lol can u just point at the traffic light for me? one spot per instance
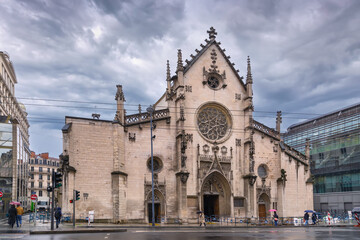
(58, 179)
(77, 194)
(71, 201)
(49, 189)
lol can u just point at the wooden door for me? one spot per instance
(262, 211)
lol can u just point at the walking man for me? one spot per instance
(306, 218)
(20, 212)
(58, 215)
(12, 216)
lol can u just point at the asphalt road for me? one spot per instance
(202, 234)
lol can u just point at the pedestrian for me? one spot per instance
(313, 218)
(202, 219)
(306, 218)
(276, 219)
(20, 212)
(58, 215)
(12, 215)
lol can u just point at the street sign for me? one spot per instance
(1, 194)
(33, 197)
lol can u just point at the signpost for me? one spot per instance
(33, 199)
(1, 194)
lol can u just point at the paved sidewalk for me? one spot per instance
(43, 227)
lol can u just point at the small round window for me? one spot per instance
(262, 171)
(157, 164)
(213, 82)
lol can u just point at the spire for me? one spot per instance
(248, 76)
(212, 33)
(168, 77)
(278, 121)
(120, 99)
(180, 66)
(119, 94)
(167, 71)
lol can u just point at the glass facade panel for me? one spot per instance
(335, 149)
(6, 166)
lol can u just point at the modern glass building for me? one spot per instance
(334, 155)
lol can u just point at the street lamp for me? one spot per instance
(150, 110)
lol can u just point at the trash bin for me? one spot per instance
(91, 217)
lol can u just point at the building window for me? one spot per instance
(321, 156)
(40, 193)
(32, 169)
(157, 164)
(44, 162)
(32, 161)
(48, 177)
(40, 169)
(48, 169)
(36, 161)
(32, 176)
(238, 202)
(40, 176)
(57, 164)
(40, 161)
(343, 151)
(32, 184)
(262, 171)
(40, 184)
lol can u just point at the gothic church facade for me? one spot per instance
(209, 153)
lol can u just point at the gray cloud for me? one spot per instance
(304, 54)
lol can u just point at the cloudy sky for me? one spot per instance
(69, 55)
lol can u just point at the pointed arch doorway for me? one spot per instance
(159, 206)
(263, 205)
(216, 195)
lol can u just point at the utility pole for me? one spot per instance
(74, 199)
(52, 199)
(151, 110)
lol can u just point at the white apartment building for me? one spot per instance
(14, 139)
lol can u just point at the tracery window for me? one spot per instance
(213, 122)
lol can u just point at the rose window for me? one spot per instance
(213, 82)
(213, 122)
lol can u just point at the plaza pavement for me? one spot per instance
(43, 227)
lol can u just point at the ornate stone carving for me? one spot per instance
(223, 150)
(206, 148)
(132, 137)
(188, 88)
(251, 178)
(237, 96)
(183, 160)
(182, 113)
(210, 158)
(238, 142)
(213, 123)
(145, 117)
(213, 186)
(212, 33)
(251, 153)
(184, 175)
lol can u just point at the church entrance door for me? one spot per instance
(211, 205)
(216, 196)
(157, 210)
(262, 211)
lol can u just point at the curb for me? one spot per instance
(97, 230)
